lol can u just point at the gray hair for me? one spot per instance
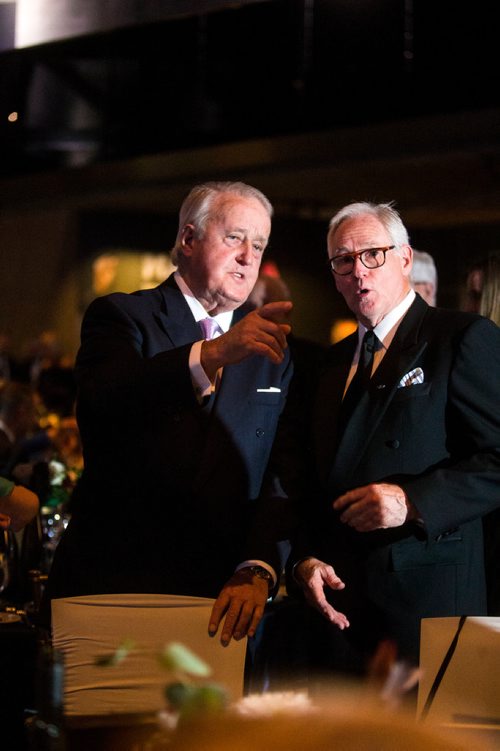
(197, 207)
(423, 269)
(384, 212)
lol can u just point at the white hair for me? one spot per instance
(424, 269)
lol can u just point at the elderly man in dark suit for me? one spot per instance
(177, 427)
(404, 449)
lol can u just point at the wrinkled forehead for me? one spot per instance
(231, 204)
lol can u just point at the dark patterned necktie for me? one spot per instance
(361, 378)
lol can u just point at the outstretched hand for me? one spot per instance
(313, 576)
(242, 600)
(260, 332)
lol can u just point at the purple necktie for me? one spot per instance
(210, 327)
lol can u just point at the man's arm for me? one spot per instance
(313, 576)
(113, 370)
(466, 486)
(18, 506)
(242, 601)
(258, 333)
(243, 598)
(376, 506)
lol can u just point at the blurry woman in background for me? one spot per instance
(487, 284)
(489, 304)
(482, 287)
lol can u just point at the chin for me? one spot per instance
(237, 298)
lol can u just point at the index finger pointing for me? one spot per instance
(275, 309)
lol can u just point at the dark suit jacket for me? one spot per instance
(168, 498)
(439, 441)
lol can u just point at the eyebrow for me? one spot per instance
(262, 238)
(346, 251)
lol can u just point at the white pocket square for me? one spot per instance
(270, 390)
(412, 378)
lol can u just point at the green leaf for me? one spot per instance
(202, 700)
(114, 658)
(211, 697)
(178, 694)
(177, 657)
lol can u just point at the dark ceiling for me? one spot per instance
(248, 70)
(315, 101)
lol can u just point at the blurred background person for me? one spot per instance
(423, 277)
(18, 505)
(488, 282)
(484, 281)
(7, 364)
(56, 390)
(17, 422)
(471, 294)
(42, 352)
(307, 355)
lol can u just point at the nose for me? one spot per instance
(246, 254)
(358, 269)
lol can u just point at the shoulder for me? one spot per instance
(448, 322)
(131, 303)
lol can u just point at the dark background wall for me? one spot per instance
(315, 102)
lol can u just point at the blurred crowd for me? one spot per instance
(39, 451)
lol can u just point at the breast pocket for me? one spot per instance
(267, 398)
(412, 392)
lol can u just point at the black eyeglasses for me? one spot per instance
(372, 258)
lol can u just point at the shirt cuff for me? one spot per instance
(269, 568)
(201, 383)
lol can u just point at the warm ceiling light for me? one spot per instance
(12, 118)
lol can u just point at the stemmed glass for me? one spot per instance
(6, 559)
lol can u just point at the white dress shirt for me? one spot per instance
(385, 332)
(201, 382)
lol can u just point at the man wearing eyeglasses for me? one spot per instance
(405, 454)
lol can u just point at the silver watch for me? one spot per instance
(262, 573)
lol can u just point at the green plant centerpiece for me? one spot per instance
(190, 694)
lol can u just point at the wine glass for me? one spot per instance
(6, 558)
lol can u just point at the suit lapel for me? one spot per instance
(405, 350)
(328, 400)
(175, 317)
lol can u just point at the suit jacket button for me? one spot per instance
(259, 432)
(394, 444)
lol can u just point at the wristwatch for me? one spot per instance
(261, 573)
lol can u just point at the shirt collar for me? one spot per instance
(389, 322)
(197, 309)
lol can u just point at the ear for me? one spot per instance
(187, 237)
(406, 255)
